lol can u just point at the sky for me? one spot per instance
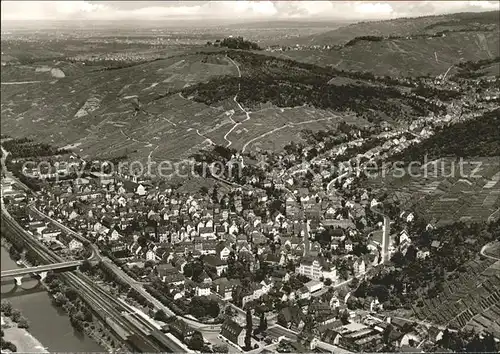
(233, 10)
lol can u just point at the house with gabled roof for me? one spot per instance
(233, 332)
(215, 265)
(181, 329)
(203, 289)
(348, 245)
(310, 268)
(113, 234)
(291, 317)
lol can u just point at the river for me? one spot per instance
(49, 324)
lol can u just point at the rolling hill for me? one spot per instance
(407, 57)
(470, 139)
(139, 111)
(404, 27)
(285, 83)
(182, 98)
(408, 47)
(113, 112)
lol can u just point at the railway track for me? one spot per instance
(102, 303)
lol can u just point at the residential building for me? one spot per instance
(215, 264)
(233, 332)
(181, 329)
(203, 289)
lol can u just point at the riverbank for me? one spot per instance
(24, 341)
(49, 325)
(22, 262)
(49, 322)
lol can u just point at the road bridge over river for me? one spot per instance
(40, 270)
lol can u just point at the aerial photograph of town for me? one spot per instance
(252, 177)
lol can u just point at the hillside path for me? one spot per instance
(235, 99)
(289, 125)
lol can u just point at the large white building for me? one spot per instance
(310, 268)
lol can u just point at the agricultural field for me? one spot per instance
(405, 57)
(144, 95)
(271, 128)
(140, 111)
(116, 106)
(470, 301)
(442, 196)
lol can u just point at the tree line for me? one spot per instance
(235, 43)
(25, 147)
(284, 90)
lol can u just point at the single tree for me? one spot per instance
(196, 342)
(248, 340)
(161, 316)
(16, 315)
(387, 333)
(344, 317)
(262, 322)
(23, 322)
(6, 308)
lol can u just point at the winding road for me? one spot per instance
(485, 248)
(492, 217)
